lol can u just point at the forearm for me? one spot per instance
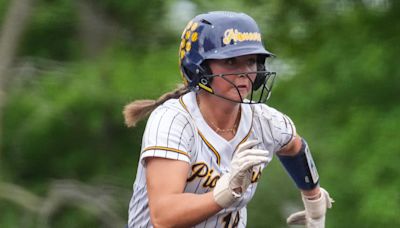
(170, 207)
(300, 165)
(182, 209)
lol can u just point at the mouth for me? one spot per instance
(242, 87)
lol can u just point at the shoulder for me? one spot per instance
(169, 117)
(169, 133)
(170, 108)
(280, 127)
(270, 113)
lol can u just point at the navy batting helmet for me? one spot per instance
(221, 35)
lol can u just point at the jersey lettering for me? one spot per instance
(226, 220)
(201, 170)
(256, 176)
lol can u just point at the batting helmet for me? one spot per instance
(220, 35)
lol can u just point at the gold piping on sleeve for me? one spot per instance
(167, 149)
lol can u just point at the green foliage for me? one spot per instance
(72, 117)
(52, 31)
(222, 5)
(13, 216)
(143, 19)
(70, 217)
(3, 7)
(340, 89)
(343, 99)
(68, 123)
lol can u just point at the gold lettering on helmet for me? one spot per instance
(236, 36)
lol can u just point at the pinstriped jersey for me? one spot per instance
(177, 130)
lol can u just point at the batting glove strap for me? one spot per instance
(224, 196)
(317, 208)
(231, 186)
(314, 214)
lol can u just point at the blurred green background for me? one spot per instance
(67, 68)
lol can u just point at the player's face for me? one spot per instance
(232, 83)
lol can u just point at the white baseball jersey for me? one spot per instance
(176, 130)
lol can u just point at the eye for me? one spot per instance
(251, 61)
(230, 61)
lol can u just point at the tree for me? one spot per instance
(15, 23)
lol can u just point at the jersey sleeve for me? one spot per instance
(277, 126)
(168, 134)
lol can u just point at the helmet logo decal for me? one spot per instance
(195, 36)
(189, 36)
(236, 36)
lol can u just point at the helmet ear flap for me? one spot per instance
(188, 76)
(199, 77)
(205, 78)
(260, 77)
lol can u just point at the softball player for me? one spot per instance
(206, 144)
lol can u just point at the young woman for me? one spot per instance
(206, 143)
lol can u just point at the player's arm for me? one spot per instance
(166, 179)
(169, 206)
(298, 162)
(294, 158)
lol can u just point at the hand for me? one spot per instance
(232, 185)
(314, 214)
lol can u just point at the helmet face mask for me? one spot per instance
(260, 91)
(223, 35)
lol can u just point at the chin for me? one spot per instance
(244, 95)
(237, 98)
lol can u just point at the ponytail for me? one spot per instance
(139, 109)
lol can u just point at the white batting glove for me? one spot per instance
(314, 214)
(230, 186)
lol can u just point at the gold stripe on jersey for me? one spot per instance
(248, 133)
(211, 148)
(244, 139)
(202, 136)
(167, 149)
(183, 104)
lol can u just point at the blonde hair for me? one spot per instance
(139, 109)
